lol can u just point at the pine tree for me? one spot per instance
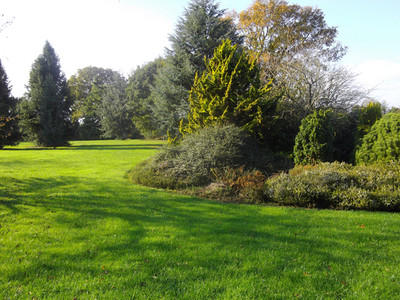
(46, 111)
(9, 132)
(201, 29)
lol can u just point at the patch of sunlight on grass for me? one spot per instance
(72, 226)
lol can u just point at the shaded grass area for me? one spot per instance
(71, 226)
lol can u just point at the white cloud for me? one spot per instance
(384, 77)
(102, 33)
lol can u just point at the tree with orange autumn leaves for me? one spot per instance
(278, 32)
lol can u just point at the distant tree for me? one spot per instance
(230, 92)
(382, 142)
(141, 102)
(87, 87)
(9, 131)
(46, 111)
(201, 29)
(114, 112)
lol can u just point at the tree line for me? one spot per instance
(265, 69)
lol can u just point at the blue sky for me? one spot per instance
(122, 34)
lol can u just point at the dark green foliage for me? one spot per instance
(141, 103)
(201, 29)
(338, 185)
(87, 88)
(114, 112)
(230, 92)
(193, 161)
(367, 116)
(382, 143)
(46, 112)
(9, 131)
(313, 143)
(326, 136)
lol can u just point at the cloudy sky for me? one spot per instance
(123, 34)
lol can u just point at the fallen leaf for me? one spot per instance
(306, 274)
(361, 226)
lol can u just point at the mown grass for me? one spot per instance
(72, 226)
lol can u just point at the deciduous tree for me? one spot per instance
(87, 87)
(278, 32)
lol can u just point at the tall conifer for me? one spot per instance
(46, 111)
(9, 132)
(200, 30)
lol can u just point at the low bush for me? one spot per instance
(191, 163)
(246, 185)
(337, 185)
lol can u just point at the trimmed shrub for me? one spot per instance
(191, 163)
(338, 185)
(313, 143)
(382, 143)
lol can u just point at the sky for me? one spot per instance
(124, 34)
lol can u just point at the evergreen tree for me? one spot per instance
(382, 142)
(201, 29)
(115, 115)
(46, 111)
(140, 84)
(314, 141)
(230, 91)
(9, 132)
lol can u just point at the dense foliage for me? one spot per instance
(199, 31)
(9, 131)
(115, 114)
(88, 87)
(46, 111)
(230, 92)
(338, 185)
(382, 142)
(194, 161)
(140, 99)
(314, 140)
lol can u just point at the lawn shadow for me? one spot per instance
(164, 229)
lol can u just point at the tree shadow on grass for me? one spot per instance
(133, 146)
(177, 242)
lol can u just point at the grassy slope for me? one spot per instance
(71, 226)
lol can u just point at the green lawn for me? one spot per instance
(72, 226)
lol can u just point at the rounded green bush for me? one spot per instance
(313, 143)
(382, 143)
